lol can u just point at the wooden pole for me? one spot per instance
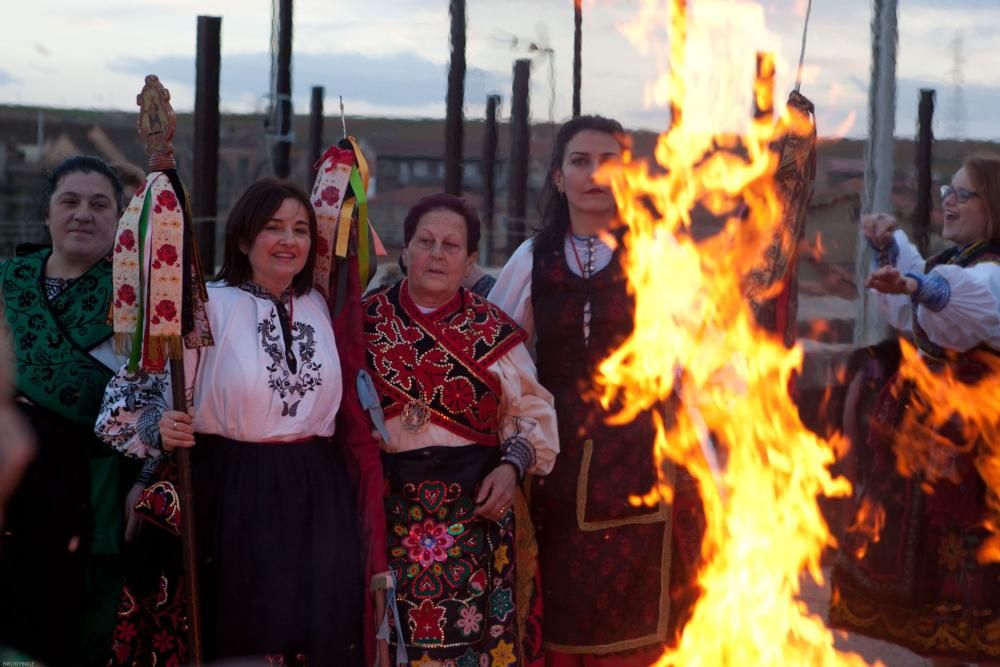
(517, 188)
(283, 91)
(925, 161)
(880, 165)
(455, 101)
(489, 174)
(205, 189)
(315, 132)
(577, 53)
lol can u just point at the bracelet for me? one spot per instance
(518, 452)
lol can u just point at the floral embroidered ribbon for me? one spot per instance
(343, 167)
(148, 274)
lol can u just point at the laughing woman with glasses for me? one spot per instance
(921, 585)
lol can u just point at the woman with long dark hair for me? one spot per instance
(610, 572)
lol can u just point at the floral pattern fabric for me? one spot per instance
(455, 573)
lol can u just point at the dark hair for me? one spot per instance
(984, 175)
(448, 203)
(248, 216)
(552, 204)
(84, 163)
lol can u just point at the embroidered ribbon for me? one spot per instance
(389, 584)
(150, 257)
(332, 180)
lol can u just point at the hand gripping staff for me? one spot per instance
(159, 300)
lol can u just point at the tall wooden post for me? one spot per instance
(577, 53)
(517, 188)
(925, 160)
(205, 189)
(488, 166)
(880, 164)
(455, 101)
(283, 92)
(315, 132)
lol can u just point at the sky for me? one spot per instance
(390, 57)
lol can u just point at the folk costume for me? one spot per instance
(458, 393)
(920, 584)
(60, 549)
(281, 570)
(612, 574)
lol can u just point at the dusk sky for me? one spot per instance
(390, 57)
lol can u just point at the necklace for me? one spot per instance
(589, 270)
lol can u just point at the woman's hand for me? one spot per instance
(878, 228)
(176, 430)
(889, 280)
(496, 493)
(131, 520)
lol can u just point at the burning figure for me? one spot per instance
(924, 582)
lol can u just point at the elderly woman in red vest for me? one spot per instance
(465, 421)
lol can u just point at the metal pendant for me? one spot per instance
(415, 416)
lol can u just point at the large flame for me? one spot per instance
(952, 411)
(696, 345)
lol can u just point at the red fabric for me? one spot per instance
(354, 436)
(640, 658)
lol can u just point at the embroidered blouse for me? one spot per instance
(958, 307)
(512, 291)
(246, 387)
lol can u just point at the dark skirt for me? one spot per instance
(280, 555)
(455, 571)
(60, 568)
(920, 585)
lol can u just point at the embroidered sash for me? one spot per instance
(435, 366)
(52, 339)
(971, 255)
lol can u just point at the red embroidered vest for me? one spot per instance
(433, 367)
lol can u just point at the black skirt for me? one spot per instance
(281, 568)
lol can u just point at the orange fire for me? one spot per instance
(738, 432)
(965, 405)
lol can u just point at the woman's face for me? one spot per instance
(587, 151)
(966, 222)
(83, 217)
(281, 247)
(437, 257)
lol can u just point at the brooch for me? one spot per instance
(415, 416)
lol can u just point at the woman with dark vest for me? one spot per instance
(920, 584)
(611, 573)
(60, 568)
(465, 420)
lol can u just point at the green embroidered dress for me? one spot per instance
(59, 569)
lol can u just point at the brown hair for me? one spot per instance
(248, 216)
(447, 202)
(984, 174)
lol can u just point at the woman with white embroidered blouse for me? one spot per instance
(281, 572)
(921, 585)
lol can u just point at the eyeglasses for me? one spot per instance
(962, 194)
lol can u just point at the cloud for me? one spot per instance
(6, 79)
(391, 80)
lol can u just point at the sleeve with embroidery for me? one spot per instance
(512, 291)
(527, 415)
(962, 309)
